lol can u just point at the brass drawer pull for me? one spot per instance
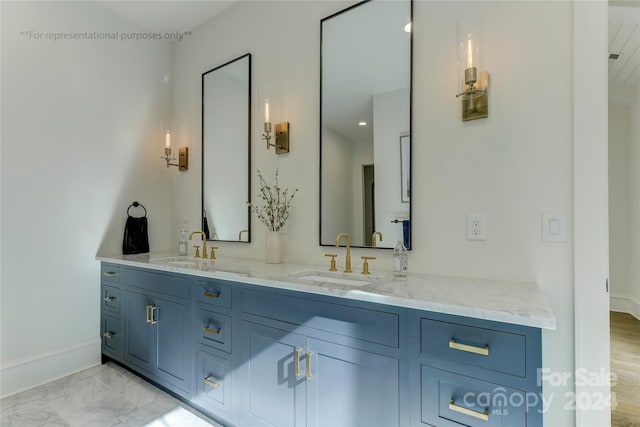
(469, 348)
(148, 313)
(110, 299)
(309, 373)
(212, 383)
(110, 273)
(154, 317)
(296, 362)
(109, 334)
(212, 294)
(461, 409)
(211, 331)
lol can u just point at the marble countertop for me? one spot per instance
(503, 301)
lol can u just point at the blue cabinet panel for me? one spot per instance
(351, 387)
(213, 292)
(111, 336)
(110, 273)
(213, 329)
(157, 283)
(172, 351)
(273, 393)
(368, 325)
(486, 348)
(138, 334)
(213, 384)
(111, 299)
(449, 399)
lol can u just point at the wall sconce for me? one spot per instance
(183, 154)
(475, 84)
(282, 132)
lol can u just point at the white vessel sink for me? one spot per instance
(347, 279)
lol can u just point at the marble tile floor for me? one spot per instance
(106, 395)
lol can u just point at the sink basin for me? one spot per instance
(203, 264)
(336, 278)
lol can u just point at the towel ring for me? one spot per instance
(135, 205)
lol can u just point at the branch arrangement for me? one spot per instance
(274, 212)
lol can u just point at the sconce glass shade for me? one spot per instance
(472, 74)
(471, 63)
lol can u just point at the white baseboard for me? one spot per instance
(41, 369)
(625, 305)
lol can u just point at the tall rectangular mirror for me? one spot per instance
(365, 124)
(226, 151)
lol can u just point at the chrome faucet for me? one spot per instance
(347, 238)
(204, 242)
(373, 238)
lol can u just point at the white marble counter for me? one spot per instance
(510, 302)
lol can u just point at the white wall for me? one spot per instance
(619, 200)
(390, 121)
(81, 139)
(512, 166)
(632, 292)
(338, 204)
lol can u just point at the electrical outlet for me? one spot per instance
(476, 227)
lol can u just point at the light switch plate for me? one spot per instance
(554, 227)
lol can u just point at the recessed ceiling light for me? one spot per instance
(407, 28)
(362, 123)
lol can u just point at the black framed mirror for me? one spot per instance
(365, 124)
(226, 151)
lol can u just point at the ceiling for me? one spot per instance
(167, 16)
(624, 40)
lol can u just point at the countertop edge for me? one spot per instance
(542, 319)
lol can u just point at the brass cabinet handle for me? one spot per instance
(212, 294)
(296, 362)
(153, 318)
(484, 415)
(309, 373)
(469, 348)
(108, 334)
(148, 313)
(109, 273)
(211, 331)
(212, 383)
(110, 299)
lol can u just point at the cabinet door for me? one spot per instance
(273, 395)
(350, 387)
(170, 324)
(138, 335)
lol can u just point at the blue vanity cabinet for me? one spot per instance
(157, 314)
(309, 361)
(110, 314)
(216, 352)
(476, 373)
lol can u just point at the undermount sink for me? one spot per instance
(347, 279)
(204, 264)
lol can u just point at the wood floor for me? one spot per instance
(625, 363)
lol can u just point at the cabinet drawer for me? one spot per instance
(157, 282)
(368, 325)
(213, 381)
(453, 400)
(111, 299)
(111, 334)
(486, 348)
(213, 329)
(110, 273)
(213, 293)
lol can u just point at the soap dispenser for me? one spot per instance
(400, 259)
(183, 241)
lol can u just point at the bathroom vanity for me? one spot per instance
(284, 345)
